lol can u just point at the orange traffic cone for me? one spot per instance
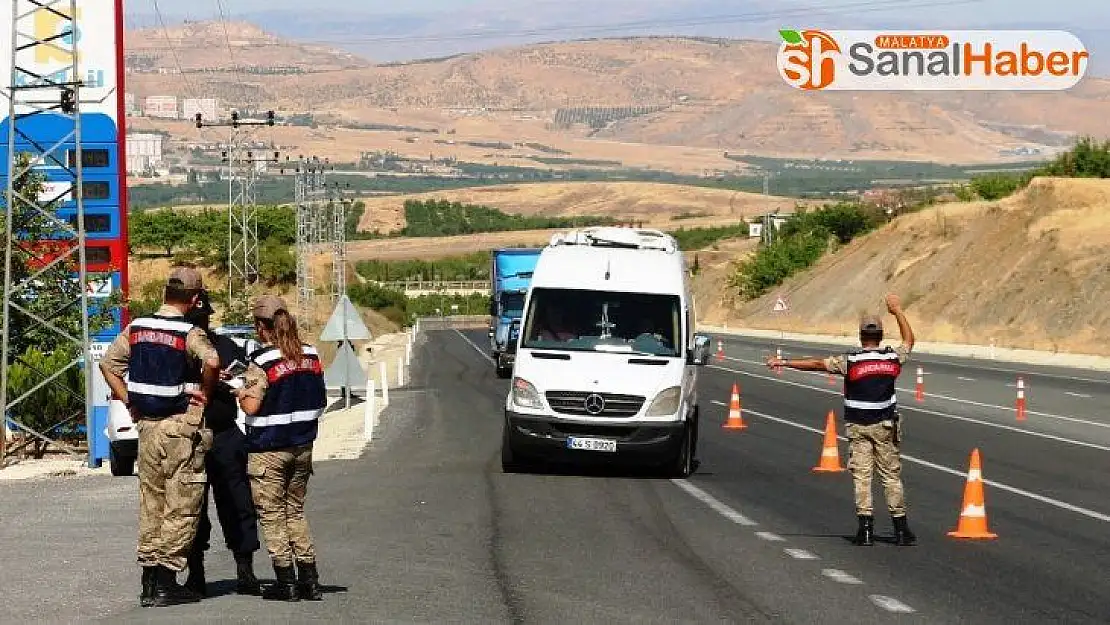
(778, 354)
(830, 454)
(973, 516)
(1020, 399)
(919, 393)
(735, 420)
(720, 351)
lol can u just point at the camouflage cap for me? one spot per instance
(266, 306)
(870, 323)
(185, 278)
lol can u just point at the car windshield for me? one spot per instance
(576, 320)
(512, 304)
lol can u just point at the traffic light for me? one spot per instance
(69, 101)
(199, 124)
(270, 118)
(235, 119)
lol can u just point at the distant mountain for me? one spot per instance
(711, 93)
(404, 34)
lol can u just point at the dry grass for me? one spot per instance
(1030, 272)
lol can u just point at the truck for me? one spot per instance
(510, 276)
(607, 358)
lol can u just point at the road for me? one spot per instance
(426, 528)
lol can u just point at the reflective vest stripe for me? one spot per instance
(872, 356)
(273, 354)
(155, 389)
(299, 416)
(870, 405)
(170, 325)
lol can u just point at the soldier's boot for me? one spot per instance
(865, 535)
(150, 582)
(195, 581)
(285, 588)
(902, 534)
(308, 584)
(168, 592)
(247, 583)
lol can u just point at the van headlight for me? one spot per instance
(525, 395)
(665, 403)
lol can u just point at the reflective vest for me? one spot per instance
(870, 395)
(295, 398)
(159, 366)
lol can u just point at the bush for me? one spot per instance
(697, 238)
(474, 266)
(800, 243)
(45, 409)
(997, 186)
(438, 218)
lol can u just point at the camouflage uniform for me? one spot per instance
(279, 494)
(170, 464)
(876, 446)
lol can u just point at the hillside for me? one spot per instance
(1030, 271)
(723, 95)
(654, 204)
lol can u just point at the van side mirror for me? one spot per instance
(699, 355)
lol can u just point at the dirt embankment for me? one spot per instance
(1031, 271)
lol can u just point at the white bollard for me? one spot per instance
(408, 354)
(400, 371)
(385, 383)
(371, 412)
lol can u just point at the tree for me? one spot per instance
(42, 366)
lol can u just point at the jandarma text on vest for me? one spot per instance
(284, 368)
(159, 337)
(872, 367)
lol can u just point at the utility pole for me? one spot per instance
(309, 178)
(339, 238)
(242, 223)
(32, 97)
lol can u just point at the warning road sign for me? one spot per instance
(780, 305)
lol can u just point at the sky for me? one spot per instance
(410, 29)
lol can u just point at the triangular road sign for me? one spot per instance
(345, 370)
(345, 323)
(780, 305)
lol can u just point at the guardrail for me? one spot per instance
(478, 286)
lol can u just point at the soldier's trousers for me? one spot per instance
(279, 483)
(171, 484)
(227, 480)
(876, 447)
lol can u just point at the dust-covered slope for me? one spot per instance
(1031, 271)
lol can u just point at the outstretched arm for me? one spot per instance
(802, 364)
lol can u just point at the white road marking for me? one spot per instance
(1079, 395)
(950, 398)
(714, 503)
(840, 576)
(960, 377)
(474, 345)
(945, 415)
(1063, 505)
(958, 365)
(800, 554)
(775, 538)
(890, 604)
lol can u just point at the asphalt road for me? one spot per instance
(426, 528)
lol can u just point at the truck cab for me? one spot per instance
(607, 357)
(510, 275)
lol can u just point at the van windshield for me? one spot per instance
(576, 320)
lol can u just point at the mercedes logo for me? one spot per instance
(594, 403)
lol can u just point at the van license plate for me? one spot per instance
(592, 444)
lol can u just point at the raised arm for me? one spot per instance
(894, 306)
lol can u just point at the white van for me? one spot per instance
(607, 356)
